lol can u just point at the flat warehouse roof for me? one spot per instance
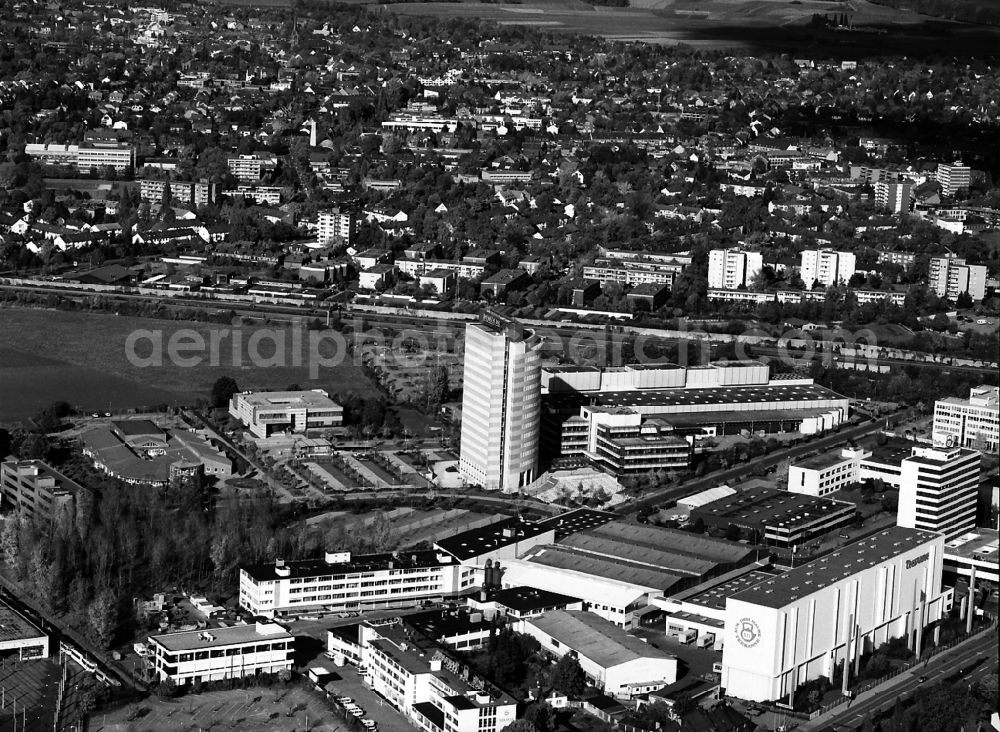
(602, 642)
(524, 599)
(773, 507)
(474, 542)
(15, 627)
(841, 564)
(288, 399)
(193, 640)
(694, 398)
(679, 542)
(619, 570)
(579, 519)
(360, 563)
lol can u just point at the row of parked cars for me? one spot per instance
(356, 711)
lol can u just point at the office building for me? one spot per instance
(979, 551)
(139, 452)
(33, 489)
(340, 581)
(266, 413)
(500, 405)
(99, 154)
(722, 398)
(220, 653)
(624, 442)
(972, 422)
(953, 178)
(895, 197)
(20, 639)
(433, 690)
(335, 225)
(826, 267)
(800, 625)
(949, 276)
(826, 473)
(619, 664)
(774, 517)
(730, 269)
(938, 490)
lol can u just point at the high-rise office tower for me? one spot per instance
(937, 490)
(501, 404)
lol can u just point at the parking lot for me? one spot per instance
(349, 683)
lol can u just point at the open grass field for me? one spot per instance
(82, 358)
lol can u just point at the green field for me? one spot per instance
(81, 357)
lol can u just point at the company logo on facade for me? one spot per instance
(911, 563)
(747, 632)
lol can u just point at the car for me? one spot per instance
(357, 712)
(922, 679)
(345, 700)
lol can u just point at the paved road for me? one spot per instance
(906, 685)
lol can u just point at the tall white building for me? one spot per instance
(800, 625)
(826, 267)
(501, 405)
(894, 196)
(954, 177)
(730, 269)
(950, 276)
(333, 225)
(937, 490)
(972, 422)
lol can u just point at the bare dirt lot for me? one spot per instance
(278, 709)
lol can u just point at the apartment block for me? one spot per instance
(34, 489)
(191, 193)
(971, 422)
(249, 168)
(99, 154)
(894, 196)
(730, 269)
(949, 276)
(827, 267)
(336, 224)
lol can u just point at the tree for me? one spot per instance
(520, 725)
(540, 716)
(568, 677)
(223, 390)
(103, 617)
(683, 704)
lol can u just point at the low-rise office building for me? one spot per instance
(623, 441)
(972, 422)
(431, 689)
(619, 664)
(979, 549)
(520, 603)
(269, 412)
(823, 474)
(220, 653)
(340, 581)
(800, 625)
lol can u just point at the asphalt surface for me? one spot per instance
(908, 684)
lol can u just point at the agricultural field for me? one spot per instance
(82, 358)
